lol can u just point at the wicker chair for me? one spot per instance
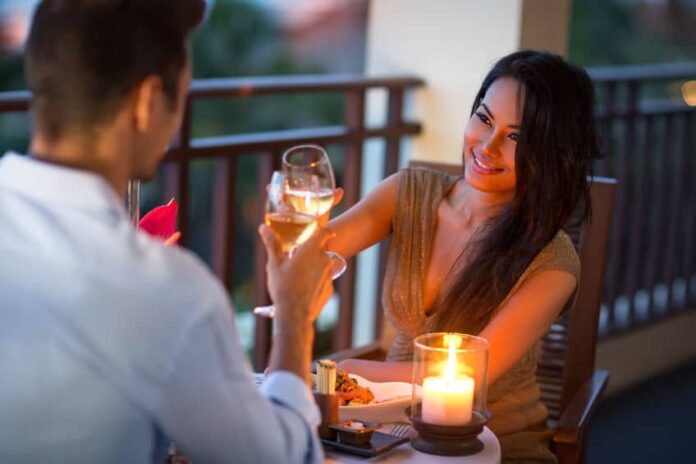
(570, 385)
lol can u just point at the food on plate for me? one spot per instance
(350, 393)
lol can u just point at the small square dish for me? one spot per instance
(354, 432)
(378, 444)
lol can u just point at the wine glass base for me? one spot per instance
(265, 311)
(338, 264)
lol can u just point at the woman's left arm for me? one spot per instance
(525, 318)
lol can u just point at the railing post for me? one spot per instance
(354, 121)
(676, 212)
(616, 245)
(263, 331)
(641, 211)
(391, 165)
(224, 218)
(656, 244)
(179, 176)
(607, 124)
(690, 228)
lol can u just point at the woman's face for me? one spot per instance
(490, 138)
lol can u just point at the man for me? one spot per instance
(112, 346)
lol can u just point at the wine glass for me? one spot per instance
(133, 201)
(311, 185)
(308, 190)
(290, 224)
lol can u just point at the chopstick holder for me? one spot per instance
(326, 397)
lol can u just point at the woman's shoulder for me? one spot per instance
(426, 178)
(559, 254)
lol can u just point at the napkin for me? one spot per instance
(161, 222)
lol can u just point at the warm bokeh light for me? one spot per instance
(14, 28)
(689, 92)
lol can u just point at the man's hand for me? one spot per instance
(299, 287)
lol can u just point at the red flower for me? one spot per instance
(161, 222)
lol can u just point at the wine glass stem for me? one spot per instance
(133, 201)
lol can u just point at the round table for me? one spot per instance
(405, 453)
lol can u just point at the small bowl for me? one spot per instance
(354, 436)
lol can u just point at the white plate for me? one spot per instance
(391, 399)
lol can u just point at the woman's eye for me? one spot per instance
(514, 137)
(484, 119)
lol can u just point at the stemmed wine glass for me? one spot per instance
(290, 224)
(311, 185)
(133, 201)
(308, 189)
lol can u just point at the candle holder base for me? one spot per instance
(449, 440)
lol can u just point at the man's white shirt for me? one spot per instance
(112, 345)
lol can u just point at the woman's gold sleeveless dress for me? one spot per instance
(519, 417)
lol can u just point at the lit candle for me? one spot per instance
(448, 400)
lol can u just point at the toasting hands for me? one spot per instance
(299, 286)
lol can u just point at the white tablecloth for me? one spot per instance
(405, 453)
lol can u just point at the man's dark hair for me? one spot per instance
(83, 57)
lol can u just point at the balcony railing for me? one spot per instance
(226, 151)
(649, 148)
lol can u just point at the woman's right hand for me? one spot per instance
(323, 220)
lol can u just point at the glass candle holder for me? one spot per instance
(448, 406)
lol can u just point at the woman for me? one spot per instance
(484, 253)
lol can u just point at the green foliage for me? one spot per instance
(11, 72)
(611, 33)
(14, 127)
(229, 43)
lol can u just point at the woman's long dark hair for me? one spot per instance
(552, 161)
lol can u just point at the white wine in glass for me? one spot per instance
(309, 191)
(291, 225)
(292, 228)
(311, 185)
(313, 203)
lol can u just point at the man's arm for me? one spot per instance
(212, 410)
(211, 407)
(299, 288)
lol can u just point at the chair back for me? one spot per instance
(568, 348)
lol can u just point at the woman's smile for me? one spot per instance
(483, 166)
(490, 139)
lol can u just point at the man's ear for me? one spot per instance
(145, 97)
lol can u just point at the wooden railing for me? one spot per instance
(225, 152)
(649, 147)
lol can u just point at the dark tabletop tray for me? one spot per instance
(379, 443)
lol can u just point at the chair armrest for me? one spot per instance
(572, 424)
(373, 352)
